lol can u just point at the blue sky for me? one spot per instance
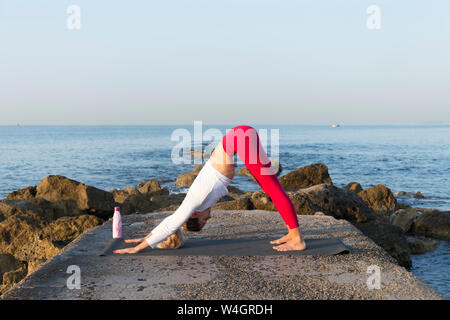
(224, 62)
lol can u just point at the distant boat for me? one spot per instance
(335, 125)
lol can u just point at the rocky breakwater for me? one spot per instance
(398, 228)
(38, 221)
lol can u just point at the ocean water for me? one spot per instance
(404, 158)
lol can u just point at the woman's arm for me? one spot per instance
(172, 223)
(136, 249)
(142, 245)
(204, 191)
(169, 225)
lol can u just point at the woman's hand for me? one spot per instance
(127, 250)
(135, 241)
(142, 245)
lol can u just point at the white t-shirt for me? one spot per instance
(208, 187)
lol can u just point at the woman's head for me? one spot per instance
(198, 220)
(175, 241)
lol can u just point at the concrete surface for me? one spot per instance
(205, 277)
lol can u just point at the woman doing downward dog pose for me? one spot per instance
(211, 184)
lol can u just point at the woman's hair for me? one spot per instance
(192, 224)
(174, 241)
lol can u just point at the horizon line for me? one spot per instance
(224, 124)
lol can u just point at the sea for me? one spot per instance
(407, 158)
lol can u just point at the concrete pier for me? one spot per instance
(220, 277)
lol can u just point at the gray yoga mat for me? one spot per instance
(234, 247)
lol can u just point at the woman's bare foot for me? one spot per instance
(283, 239)
(291, 245)
(292, 241)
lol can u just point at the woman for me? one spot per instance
(211, 184)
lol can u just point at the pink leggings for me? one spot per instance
(244, 141)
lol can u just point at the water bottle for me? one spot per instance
(117, 224)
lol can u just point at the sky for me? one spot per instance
(224, 62)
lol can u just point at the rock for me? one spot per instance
(66, 208)
(275, 165)
(186, 179)
(22, 236)
(333, 201)
(305, 177)
(88, 199)
(197, 168)
(161, 192)
(64, 230)
(8, 208)
(119, 196)
(392, 218)
(434, 224)
(419, 195)
(10, 278)
(242, 203)
(29, 233)
(204, 153)
(131, 190)
(227, 197)
(404, 218)
(234, 192)
(379, 198)
(262, 201)
(31, 238)
(172, 207)
(319, 213)
(139, 185)
(165, 200)
(389, 237)
(150, 186)
(8, 263)
(174, 241)
(11, 271)
(27, 193)
(137, 203)
(420, 245)
(402, 194)
(354, 186)
(425, 210)
(403, 205)
(244, 172)
(41, 207)
(233, 189)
